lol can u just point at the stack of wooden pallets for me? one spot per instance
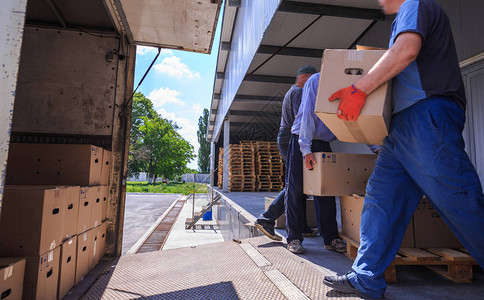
(242, 168)
(220, 178)
(269, 167)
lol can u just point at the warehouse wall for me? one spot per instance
(253, 17)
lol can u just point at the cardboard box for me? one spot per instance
(12, 272)
(42, 276)
(71, 204)
(102, 241)
(105, 200)
(94, 246)
(351, 208)
(95, 195)
(85, 210)
(431, 230)
(54, 164)
(67, 269)
(83, 261)
(106, 167)
(310, 213)
(340, 69)
(32, 220)
(338, 174)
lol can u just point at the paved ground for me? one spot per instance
(140, 212)
(180, 237)
(255, 269)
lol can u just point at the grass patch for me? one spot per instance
(171, 188)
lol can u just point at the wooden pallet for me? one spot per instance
(220, 168)
(455, 265)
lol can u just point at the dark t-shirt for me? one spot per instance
(290, 107)
(436, 70)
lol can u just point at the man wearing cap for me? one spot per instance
(290, 106)
(424, 152)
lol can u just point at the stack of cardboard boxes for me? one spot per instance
(53, 214)
(338, 174)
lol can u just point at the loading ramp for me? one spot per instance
(255, 268)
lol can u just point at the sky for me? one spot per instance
(180, 85)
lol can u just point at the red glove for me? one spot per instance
(351, 101)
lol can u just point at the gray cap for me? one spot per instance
(307, 69)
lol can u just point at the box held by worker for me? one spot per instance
(32, 220)
(351, 207)
(106, 167)
(431, 230)
(310, 213)
(12, 272)
(67, 266)
(42, 276)
(340, 69)
(338, 174)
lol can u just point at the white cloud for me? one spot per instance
(143, 50)
(173, 66)
(164, 95)
(188, 128)
(198, 109)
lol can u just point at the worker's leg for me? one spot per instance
(294, 192)
(325, 206)
(326, 218)
(391, 198)
(283, 138)
(277, 207)
(439, 164)
(274, 211)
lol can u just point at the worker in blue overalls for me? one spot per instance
(424, 152)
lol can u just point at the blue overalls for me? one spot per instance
(423, 154)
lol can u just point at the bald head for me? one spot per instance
(390, 7)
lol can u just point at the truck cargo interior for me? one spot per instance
(67, 86)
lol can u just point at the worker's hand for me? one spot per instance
(309, 161)
(351, 100)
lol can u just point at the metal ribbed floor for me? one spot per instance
(260, 269)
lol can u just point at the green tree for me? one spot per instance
(155, 145)
(168, 151)
(138, 154)
(204, 150)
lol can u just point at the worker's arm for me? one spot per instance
(403, 52)
(308, 120)
(395, 60)
(307, 129)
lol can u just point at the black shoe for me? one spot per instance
(343, 284)
(308, 232)
(267, 230)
